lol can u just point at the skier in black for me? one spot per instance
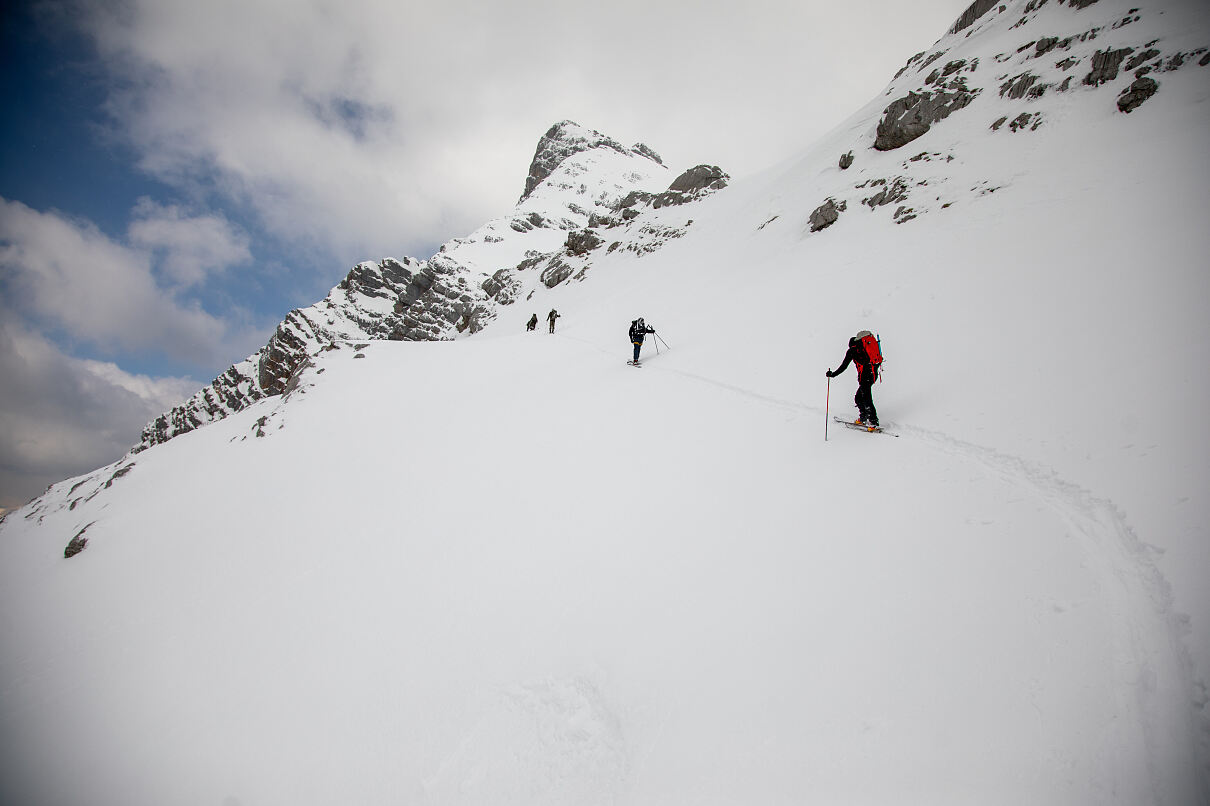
(867, 373)
(638, 332)
(532, 323)
(551, 317)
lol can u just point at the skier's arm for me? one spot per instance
(848, 356)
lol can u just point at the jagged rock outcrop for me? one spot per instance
(846, 160)
(976, 10)
(566, 139)
(76, 544)
(826, 214)
(699, 178)
(914, 114)
(582, 242)
(690, 186)
(1018, 86)
(1105, 64)
(1138, 92)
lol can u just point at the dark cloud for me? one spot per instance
(62, 416)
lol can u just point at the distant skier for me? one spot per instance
(551, 317)
(638, 332)
(865, 352)
(532, 323)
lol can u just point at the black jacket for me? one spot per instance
(866, 372)
(637, 334)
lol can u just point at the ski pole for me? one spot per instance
(657, 335)
(827, 404)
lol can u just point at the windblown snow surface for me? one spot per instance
(511, 569)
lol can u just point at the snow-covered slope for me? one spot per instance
(510, 569)
(577, 179)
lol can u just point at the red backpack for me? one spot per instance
(873, 347)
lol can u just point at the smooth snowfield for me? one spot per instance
(547, 577)
(511, 569)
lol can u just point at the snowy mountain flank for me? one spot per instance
(579, 182)
(412, 553)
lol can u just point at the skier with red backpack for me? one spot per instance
(866, 353)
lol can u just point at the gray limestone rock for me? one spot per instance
(582, 242)
(976, 10)
(1135, 61)
(1138, 92)
(1105, 64)
(701, 177)
(912, 115)
(826, 214)
(555, 273)
(646, 151)
(561, 141)
(76, 544)
(893, 191)
(1016, 87)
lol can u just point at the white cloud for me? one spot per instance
(61, 416)
(189, 248)
(71, 277)
(373, 127)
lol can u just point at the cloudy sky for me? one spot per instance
(176, 175)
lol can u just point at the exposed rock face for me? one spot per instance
(1017, 87)
(1105, 64)
(565, 139)
(1134, 95)
(582, 242)
(912, 115)
(690, 186)
(701, 177)
(1140, 58)
(846, 160)
(76, 544)
(646, 151)
(555, 273)
(826, 214)
(976, 10)
(892, 191)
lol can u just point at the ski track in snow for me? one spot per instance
(1149, 632)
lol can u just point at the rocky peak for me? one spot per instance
(566, 139)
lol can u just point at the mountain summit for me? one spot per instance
(566, 139)
(412, 552)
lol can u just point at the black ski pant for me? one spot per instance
(865, 401)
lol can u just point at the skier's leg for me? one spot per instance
(871, 414)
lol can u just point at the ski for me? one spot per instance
(633, 364)
(866, 429)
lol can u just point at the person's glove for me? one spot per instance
(830, 374)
